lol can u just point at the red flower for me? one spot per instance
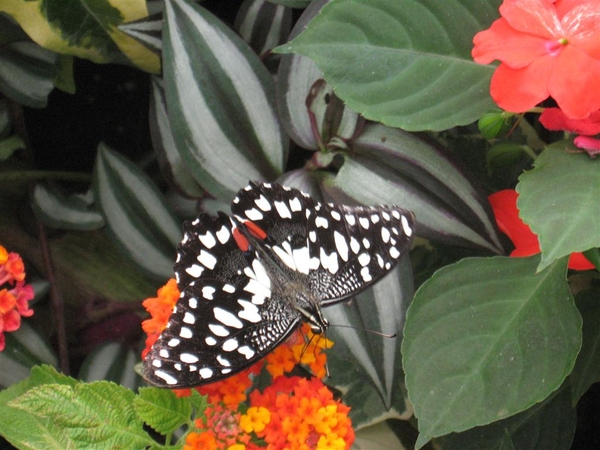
(14, 293)
(546, 48)
(504, 206)
(555, 119)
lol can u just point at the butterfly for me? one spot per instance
(249, 280)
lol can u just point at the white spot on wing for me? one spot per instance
(188, 358)
(223, 361)
(207, 239)
(263, 203)
(169, 379)
(250, 311)
(295, 204)
(350, 219)
(364, 222)
(385, 235)
(321, 222)
(230, 345)
(173, 342)
(341, 245)
(302, 259)
(223, 234)
(253, 214)
(185, 333)
(210, 341)
(394, 253)
(227, 318)
(246, 351)
(206, 259)
(219, 330)
(283, 210)
(406, 227)
(354, 245)
(205, 372)
(207, 292)
(366, 275)
(364, 259)
(195, 270)
(329, 262)
(189, 318)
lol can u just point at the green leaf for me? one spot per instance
(135, 213)
(24, 430)
(221, 102)
(486, 338)
(390, 166)
(375, 388)
(84, 29)
(91, 415)
(548, 425)
(263, 25)
(376, 437)
(24, 349)
(112, 361)
(406, 63)
(587, 367)
(26, 73)
(57, 210)
(295, 78)
(172, 166)
(162, 410)
(558, 199)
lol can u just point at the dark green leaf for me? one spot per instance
(375, 386)
(26, 73)
(406, 63)
(135, 213)
(389, 166)
(59, 211)
(221, 102)
(112, 361)
(487, 338)
(263, 24)
(171, 164)
(24, 349)
(549, 425)
(587, 368)
(558, 199)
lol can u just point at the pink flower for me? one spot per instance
(546, 48)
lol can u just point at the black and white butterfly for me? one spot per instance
(247, 281)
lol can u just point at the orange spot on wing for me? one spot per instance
(240, 240)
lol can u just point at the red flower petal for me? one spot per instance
(574, 83)
(589, 144)
(504, 207)
(555, 119)
(537, 17)
(518, 90)
(504, 43)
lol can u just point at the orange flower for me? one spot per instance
(302, 347)
(504, 206)
(303, 414)
(14, 297)
(204, 440)
(160, 309)
(546, 48)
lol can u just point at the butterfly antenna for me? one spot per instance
(367, 330)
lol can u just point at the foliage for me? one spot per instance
(362, 101)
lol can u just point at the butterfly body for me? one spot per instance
(249, 280)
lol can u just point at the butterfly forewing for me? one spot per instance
(342, 249)
(242, 296)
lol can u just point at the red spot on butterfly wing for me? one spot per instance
(255, 230)
(240, 240)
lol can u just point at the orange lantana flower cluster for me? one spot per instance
(292, 413)
(14, 293)
(298, 413)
